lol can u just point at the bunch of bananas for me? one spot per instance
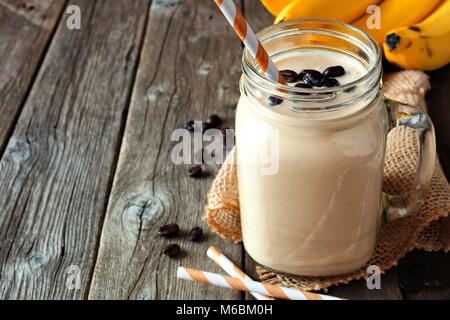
(415, 34)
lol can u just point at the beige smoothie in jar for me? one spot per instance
(316, 210)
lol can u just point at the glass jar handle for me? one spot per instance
(400, 114)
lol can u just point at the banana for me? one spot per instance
(275, 6)
(423, 46)
(397, 13)
(343, 10)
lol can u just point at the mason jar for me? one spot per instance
(310, 160)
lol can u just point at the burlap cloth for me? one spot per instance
(428, 229)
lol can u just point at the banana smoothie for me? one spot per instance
(317, 211)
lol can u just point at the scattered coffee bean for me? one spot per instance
(274, 101)
(304, 86)
(335, 71)
(195, 171)
(289, 75)
(214, 120)
(172, 250)
(433, 281)
(169, 230)
(189, 125)
(330, 82)
(206, 126)
(195, 234)
(312, 77)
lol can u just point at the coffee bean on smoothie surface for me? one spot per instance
(312, 77)
(330, 82)
(195, 171)
(169, 230)
(334, 71)
(195, 234)
(303, 86)
(214, 120)
(274, 101)
(172, 250)
(289, 75)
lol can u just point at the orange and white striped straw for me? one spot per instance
(248, 37)
(229, 267)
(249, 285)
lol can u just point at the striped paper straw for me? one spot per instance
(229, 267)
(248, 37)
(249, 285)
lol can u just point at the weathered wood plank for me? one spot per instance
(56, 170)
(24, 35)
(42, 13)
(257, 16)
(190, 68)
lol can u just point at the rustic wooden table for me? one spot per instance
(85, 172)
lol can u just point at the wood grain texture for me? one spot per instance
(56, 170)
(24, 35)
(190, 68)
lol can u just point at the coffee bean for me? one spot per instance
(195, 234)
(289, 75)
(172, 250)
(189, 125)
(274, 101)
(206, 126)
(330, 82)
(433, 281)
(169, 230)
(214, 120)
(334, 71)
(195, 171)
(312, 77)
(304, 86)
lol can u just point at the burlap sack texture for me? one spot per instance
(428, 229)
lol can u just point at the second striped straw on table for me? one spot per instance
(251, 42)
(226, 264)
(249, 285)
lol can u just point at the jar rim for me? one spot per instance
(324, 26)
